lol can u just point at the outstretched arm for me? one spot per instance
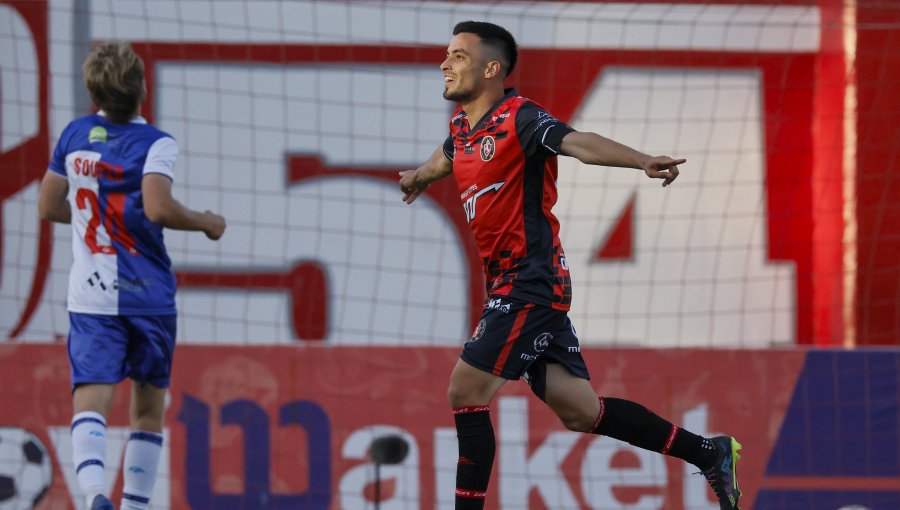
(593, 149)
(414, 182)
(161, 208)
(52, 203)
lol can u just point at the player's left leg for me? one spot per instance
(509, 337)
(560, 378)
(150, 367)
(144, 445)
(574, 401)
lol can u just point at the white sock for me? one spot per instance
(88, 452)
(139, 469)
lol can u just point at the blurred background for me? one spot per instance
(759, 296)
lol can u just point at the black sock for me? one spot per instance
(635, 424)
(476, 455)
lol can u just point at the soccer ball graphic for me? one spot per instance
(25, 469)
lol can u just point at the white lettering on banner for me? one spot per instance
(446, 453)
(705, 274)
(405, 475)
(379, 256)
(519, 472)
(599, 478)
(116, 439)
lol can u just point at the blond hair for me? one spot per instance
(114, 76)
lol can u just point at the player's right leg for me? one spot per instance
(144, 446)
(509, 338)
(97, 345)
(470, 393)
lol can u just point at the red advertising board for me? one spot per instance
(289, 427)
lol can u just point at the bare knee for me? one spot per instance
(461, 396)
(147, 422)
(578, 422)
(97, 398)
(147, 408)
(146, 417)
(470, 386)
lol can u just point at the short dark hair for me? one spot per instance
(494, 36)
(114, 76)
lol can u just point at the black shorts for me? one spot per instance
(515, 339)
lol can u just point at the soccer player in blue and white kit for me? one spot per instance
(111, 178)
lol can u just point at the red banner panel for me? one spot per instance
(290, 427)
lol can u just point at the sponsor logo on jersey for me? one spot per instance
(479, 330)
(498, 304)
(470, 203)
(543, 118)
(574, 349)
(98, 134)
(488, 146)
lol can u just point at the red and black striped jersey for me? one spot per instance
(505, 167)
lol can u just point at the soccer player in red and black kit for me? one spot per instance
(502, 151)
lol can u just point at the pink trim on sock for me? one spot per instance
(599, 416)
(471, 409)
(670, 441)
(465, 493)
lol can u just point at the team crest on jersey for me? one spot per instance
(97, 135)
(488, 146)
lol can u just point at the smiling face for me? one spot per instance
(467, 68)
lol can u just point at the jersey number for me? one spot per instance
(113, 221)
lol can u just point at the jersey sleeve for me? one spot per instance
(58, 159)
(161, 157)
(538, 131)
(449, 149)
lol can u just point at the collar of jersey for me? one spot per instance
(134, 120)
(507, 93)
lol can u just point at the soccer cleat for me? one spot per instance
(722, 476)
(101, 502)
